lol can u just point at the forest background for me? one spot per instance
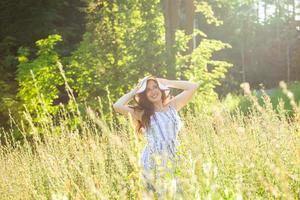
(105, 47)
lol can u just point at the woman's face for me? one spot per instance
(153, 92)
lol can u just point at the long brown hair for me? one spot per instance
(143, 104)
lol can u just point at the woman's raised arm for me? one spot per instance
(121, 105)
(189, 88)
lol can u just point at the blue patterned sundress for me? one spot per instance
(162, 141)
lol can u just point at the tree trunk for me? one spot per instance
(243, 50)
(189, 22)
(278, 23)
(171, 16)
(294, 10)
(265, 13)
(288, 62)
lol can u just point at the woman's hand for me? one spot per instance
(163, 81)
(181, 99)
(135, 89)
(121, 104)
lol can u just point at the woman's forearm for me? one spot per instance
(180, 84)
(124, 99)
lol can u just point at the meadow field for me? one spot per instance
(223, 156)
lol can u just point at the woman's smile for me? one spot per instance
(153, 92)
(154, 95)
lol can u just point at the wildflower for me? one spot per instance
(226, 192)
(239, 197)
(241, 130)
(59, 196)
(294, 177)
(275, 192)
(215, 171)
(206, 168)
(214, 187)
(283, 85)
(91, 185)
(209, 197)
(290, 95)
(173, 186)
(246, 88)
(157, 159)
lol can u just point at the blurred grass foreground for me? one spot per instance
(223, 156)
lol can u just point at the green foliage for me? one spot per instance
(39, 77)
(275, 96)
(121, 45)
(123, 42)
(200, 67)
(24, 22)
(206, 9)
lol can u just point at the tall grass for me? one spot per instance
(275, 94)
(254, 156)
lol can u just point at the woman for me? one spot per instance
(157, 117)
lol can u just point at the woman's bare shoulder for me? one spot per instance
(138, 113)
